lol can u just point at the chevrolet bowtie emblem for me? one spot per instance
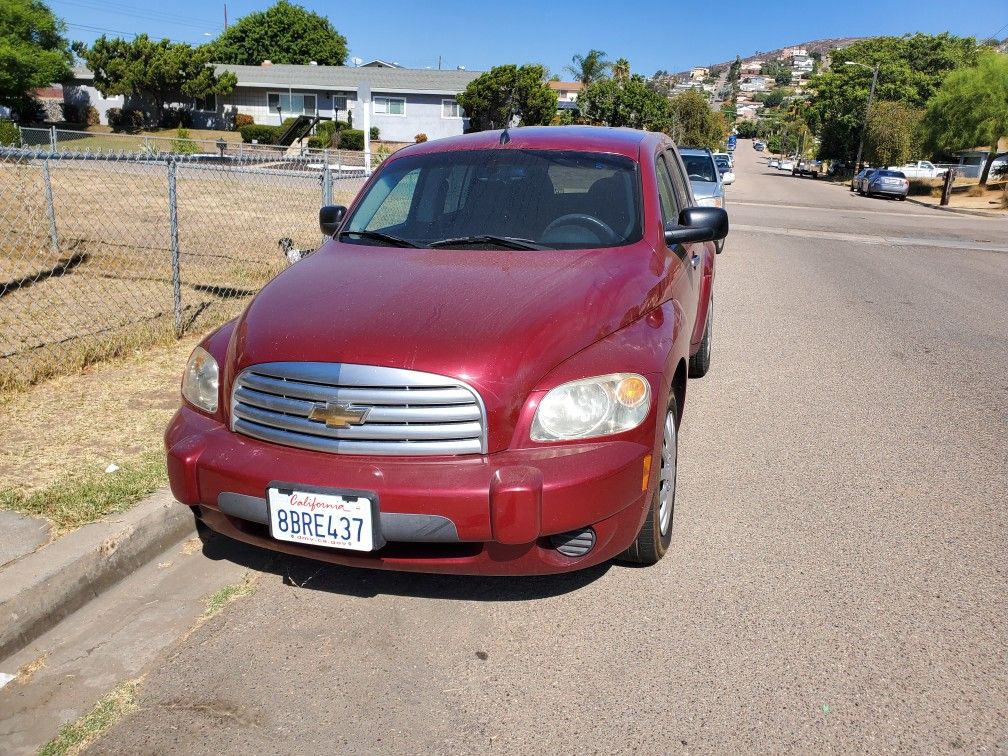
(339, 414)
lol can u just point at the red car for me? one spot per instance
(482, 372)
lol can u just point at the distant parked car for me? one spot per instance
(705, 179)
(787, 164)
(759, 146)
(920, 169)
(773, 163)
(725, 168)
(725, 156)
(886, 183)
(807, 168)
(857, 183)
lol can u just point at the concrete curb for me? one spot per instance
(39, 590)
(958, 210)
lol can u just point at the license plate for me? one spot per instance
(333, 518)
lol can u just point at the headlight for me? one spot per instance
(592, 407)
(709, 201)
(199, 384)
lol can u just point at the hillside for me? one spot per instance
(817, 45)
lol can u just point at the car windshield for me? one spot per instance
(891, 174)
(700, 168)
(501, 198)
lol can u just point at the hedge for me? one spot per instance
(351, 139)
(261, 133)
(130, 121)
(10, 136)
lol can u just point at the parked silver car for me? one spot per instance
(886, 184)
(705, 178)
(857, 183)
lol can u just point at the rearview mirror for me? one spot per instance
(698, 224)
(330, 217)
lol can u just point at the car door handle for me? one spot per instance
(695, 260)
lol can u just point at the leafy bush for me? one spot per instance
(182, 144)
(374, 133)
(260, 133)
(242, 119)
(351, 139)
(421, 137)
(91, 116)
(9, 134)
(325, 135)
(130, 121)
(316, 143)
(176, 117)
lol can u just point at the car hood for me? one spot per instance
(705, 189)
(498, 320)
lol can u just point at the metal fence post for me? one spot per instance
(50, 207)
(326, 179)
(174, 241)
(52, 138)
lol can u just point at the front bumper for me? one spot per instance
(489, 514)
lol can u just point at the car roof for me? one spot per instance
(618, 141)
(695, 151)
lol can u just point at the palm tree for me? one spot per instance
(590, 67)
(621, 69)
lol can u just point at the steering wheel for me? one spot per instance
(697, 177)
(584, 220)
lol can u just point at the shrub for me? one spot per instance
(373, 132)
(91, 116)
(316, 143)
(340, 125)
(421, 137)
(924, 187)
(351, 139)
(130, 121)
(10, 136)
(175, 117)
(182, 144)
(261, 133)
(242, 119)
(326, 133)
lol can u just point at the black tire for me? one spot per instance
(901, 199)
(651, 543)
(699, 363)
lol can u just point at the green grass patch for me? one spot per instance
(110, 709)
(228, 595)
(76, 500)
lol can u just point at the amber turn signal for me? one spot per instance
(631, 391)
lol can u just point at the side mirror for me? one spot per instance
(330, 217)
(698, 224)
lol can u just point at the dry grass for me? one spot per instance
(76, 736)
(28, 670)
(114, 216)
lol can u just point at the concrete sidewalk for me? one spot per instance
(41, 586)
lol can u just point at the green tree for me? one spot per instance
(891, 133)
(589, 68)
(631, 103)
(492, 100)
(155, 71)
(283, 33)
(621, 69)
(746, 129)
(911, 68)
(693, 123)
(970, 109)
(33, 52)
(778, 69)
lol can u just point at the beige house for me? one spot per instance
(567, 91)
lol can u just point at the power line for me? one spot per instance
(143, 16)
(994, 35)
(119, 32)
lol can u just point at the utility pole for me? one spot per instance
(864, 126)
(225, 16)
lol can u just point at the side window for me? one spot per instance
(666, 193)
(682, 185)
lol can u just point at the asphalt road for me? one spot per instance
(837, 575)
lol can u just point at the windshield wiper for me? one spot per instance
(508, 242)
(395, 241)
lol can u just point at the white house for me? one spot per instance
(404, 102)
(567, 91)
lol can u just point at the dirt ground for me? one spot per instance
(107, 413)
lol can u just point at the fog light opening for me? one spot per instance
(574, 543)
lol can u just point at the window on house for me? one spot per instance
(390, 105)
(208, 103)
(291, 104)
(451, 109)
(339, 102)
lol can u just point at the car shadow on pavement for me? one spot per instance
(365, 583)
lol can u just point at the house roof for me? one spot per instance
(574, 86)
(341, 78)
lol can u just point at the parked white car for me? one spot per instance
(786, 164)
(920, 169)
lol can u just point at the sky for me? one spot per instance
(672, 36)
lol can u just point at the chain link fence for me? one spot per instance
(103, 253)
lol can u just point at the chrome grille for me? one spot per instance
(408, 412)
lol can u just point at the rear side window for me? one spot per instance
(682, 185)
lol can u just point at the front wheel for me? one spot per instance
(656, 533)
(699, 363)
